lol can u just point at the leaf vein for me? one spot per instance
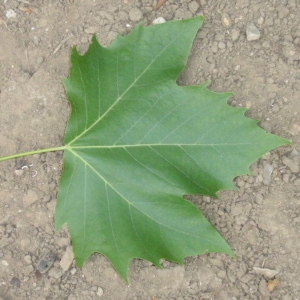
(180, 125)
(99, 88)
(129, 87)
(144, 166)
(186, 175)
(110, 221)
(136, 232)
(166, 245)
(164, 117)
(135, 123)
(69, 185)
(84, 213)
(85, 100)
(161, 145)
(107, 183)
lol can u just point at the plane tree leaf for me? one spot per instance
(136, 142)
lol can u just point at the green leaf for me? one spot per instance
(136, 142)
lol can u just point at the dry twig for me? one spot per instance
(60, 44)
(3, 22)
(159, 4)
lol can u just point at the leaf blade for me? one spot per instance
(136, 142)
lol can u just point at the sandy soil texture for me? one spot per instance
(260, 221)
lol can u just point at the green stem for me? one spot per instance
(33, 152)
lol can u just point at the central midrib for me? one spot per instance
(68, 146)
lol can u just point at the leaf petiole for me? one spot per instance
(33, 152)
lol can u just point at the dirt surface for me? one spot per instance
(260, 221)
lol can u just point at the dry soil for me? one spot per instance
(260, 221)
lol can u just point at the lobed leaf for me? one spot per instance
(136, 142)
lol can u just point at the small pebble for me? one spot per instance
(99, 292)
(252, 32)
(286, 178)
(235, 34)
(135, 14)
(295, 153)
(10, 14)
(4, 263)
(221, 45)
(265, 272)
(56, 272)
(19, 172)
(27, 259)
(283, 12)
(268, 169)
(193, 7)
(15, 282)
(214, 48)
(91, 30)
(291, 53)
(294, 129)
(260, 20)
(221, 274)
(226, 21)
(45, 263)
(159, 20)
(73, 271)
(67, 259)
(30, 197)
(291, 164)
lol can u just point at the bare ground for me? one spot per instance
(260, 221)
